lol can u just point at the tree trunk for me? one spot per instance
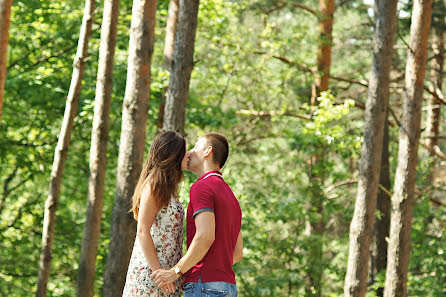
(361, 227)
(315, 226)
(98, 151)
(433, 114)
(183, 63)
(325, 28)
(63, 143)
(159, 123)
(382, 224)
(132, 144)
(5, 16)
(171, 30)
(169, 42)
(403, 192)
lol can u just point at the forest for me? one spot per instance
(333, 110)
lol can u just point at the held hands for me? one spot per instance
(170, 288)
(164, 279)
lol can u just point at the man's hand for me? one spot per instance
(163, 277)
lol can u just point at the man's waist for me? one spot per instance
(209, 274)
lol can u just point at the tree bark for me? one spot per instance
(169, 43)
(361, 227)
(403, 192)
(63, 143)
(434, 104)
(159, 123)
(5, 17)
(171, 30)
(98, 151)
(382, 224)
(315, 226)
(132, 144)
(325, 28)
(183, 63)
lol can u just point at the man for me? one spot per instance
(214, 238)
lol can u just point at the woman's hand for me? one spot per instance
(169, 288)
(164, 279)
(163, 276)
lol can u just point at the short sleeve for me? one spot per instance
(202, 198)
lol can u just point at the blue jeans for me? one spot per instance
(210, 289)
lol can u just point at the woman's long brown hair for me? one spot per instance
(162, 171)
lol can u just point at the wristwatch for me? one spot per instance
(177, 270)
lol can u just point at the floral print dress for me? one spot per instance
(167, 234)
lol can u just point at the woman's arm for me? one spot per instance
(147, 212)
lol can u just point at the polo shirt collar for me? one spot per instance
(207, 173)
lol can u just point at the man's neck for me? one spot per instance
(207, 168)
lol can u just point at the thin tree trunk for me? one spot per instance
(183, 63)
(5, 17)
(315, 226)
(403, 192)
(325, 28)
(169, 43)
(159, 123)
(98, 151)
(433, 115)
(382, 224)
(171, 30)
(63, 143)
(132, 144)
(361, 227)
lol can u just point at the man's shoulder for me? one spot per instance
(207, 182)
(201, 185)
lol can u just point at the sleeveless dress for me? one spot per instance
(167, 234)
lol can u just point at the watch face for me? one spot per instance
(177, 269)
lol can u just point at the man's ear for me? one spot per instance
(209, 150)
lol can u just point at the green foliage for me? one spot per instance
(427, 262)
(249, 58)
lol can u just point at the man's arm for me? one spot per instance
(202, 241)
(200, 245)
(238, 251)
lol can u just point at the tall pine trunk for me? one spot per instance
(182, 65)
(315, 225)
(63, 143)
(132, 144)
(315, 228)
(5, 17)
(361, 228)
(325, 28)
(171, 30)
(169, 42)
(434, 111)
(403, 192)
(98, 150)
(382, 223)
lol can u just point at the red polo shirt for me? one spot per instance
(211, 193)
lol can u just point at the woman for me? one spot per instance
(160, 215)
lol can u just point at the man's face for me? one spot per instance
(196, 155)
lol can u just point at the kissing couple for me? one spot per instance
(213, 222)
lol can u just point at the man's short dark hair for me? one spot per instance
(220, 147)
